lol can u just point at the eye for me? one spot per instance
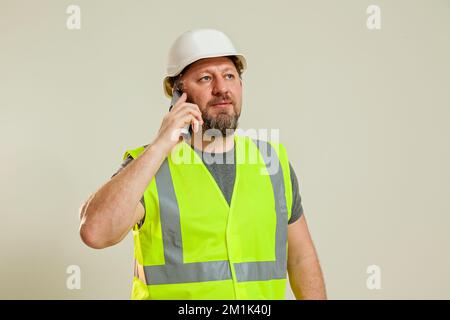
(205, 78)
(229, 76)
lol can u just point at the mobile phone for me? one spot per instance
(187, 130)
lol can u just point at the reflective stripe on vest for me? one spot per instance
(175, 271)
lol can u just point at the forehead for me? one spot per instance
(211, 64)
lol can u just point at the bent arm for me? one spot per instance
(110, 212)
(305, 274)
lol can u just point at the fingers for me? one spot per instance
(185, 108)
(189, 113)
(192, 120)
(192, 110)
(179, 102)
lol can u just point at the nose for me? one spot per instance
(219, 86)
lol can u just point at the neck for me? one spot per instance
(211, 144)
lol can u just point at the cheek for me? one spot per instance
(238, 96)
(192, 97)
(202, 100)
(237, 90)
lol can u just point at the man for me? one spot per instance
(223, 229)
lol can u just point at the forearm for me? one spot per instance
(108, 214)
(306, 279)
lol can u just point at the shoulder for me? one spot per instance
(263, 143)
(134, 152)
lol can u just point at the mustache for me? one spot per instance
(223, 98)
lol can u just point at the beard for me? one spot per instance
(224, 121)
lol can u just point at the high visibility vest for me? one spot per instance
(194, 245)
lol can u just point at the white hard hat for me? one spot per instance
(194, 45)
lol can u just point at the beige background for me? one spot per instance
(364, 115)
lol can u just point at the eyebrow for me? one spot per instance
(209, 70)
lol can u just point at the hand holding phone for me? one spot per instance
(182, 114)
(187, 130)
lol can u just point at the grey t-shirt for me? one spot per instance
(224, 172)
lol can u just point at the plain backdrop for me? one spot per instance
(364, 115)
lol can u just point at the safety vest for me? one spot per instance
(194, 245)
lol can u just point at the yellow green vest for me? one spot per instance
(193, 245)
